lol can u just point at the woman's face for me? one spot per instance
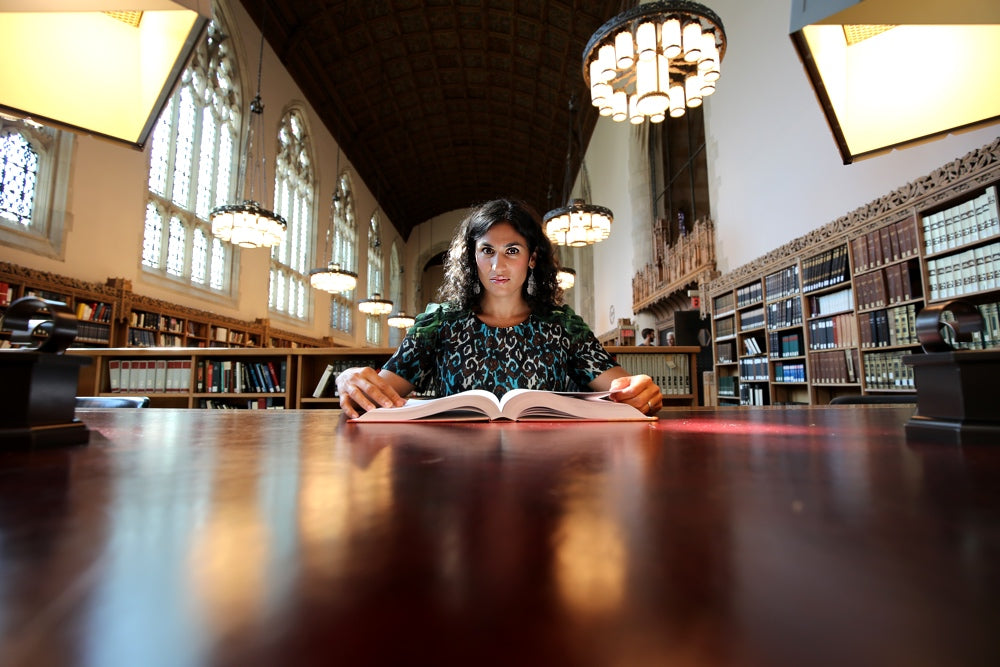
(503, 260)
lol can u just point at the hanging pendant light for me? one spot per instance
(333, 278)
(401, 321)
(376, 305)
(248, 224)
(654, 59)
(579, 223)
(566, 278)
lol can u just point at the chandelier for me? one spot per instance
(376, 305)
(566, 278)
(248, 224)
(578, 223)
(332, 278)
(401, 321)
(654, 59)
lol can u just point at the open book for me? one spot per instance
(516, 405)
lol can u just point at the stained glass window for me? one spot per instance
(374, 328)
(345, 244)
(192, 159)
(293, 199)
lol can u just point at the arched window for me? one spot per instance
(191, 166)
(293, 199)
(34, 178)
(345, 252)
(374, 328)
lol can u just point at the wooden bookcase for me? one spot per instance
(112, 315)
(237, 378)
(96, 306)
(834, 312)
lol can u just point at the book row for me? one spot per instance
(240, 377)
(973, 270)
(723, 303)
(97, 333)
(886, 370)
(889, 244)
(671, 372)
(753, 394)
(259, 403)
(752, 319)
(965, 223)
(825, 270)
(749, 295)
(787, 313)
(149, 376)
(729, 385)
(893, 284)
(148, 338)
(782, 283)
(888, 327)
(783, 345)
(836, 302)
(725, 352)
(93, 311)
(831, 332)
(834, 367)
(789, 371)
(754, 369)
(156, 322)
(725, 327)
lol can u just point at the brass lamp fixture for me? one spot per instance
(376, 305)
(333, 278)
(579, 223)
(654, 59)
(249, 224)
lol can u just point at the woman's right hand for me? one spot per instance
(363, 389)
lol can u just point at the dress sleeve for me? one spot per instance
(588, 358)
(414, 359)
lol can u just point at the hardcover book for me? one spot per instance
(516, 405)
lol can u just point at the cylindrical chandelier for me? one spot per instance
(249, 224)
(566, 278)
(578, 224)
(401, 321)
(333, 279)
(375, 305)
(655, 59)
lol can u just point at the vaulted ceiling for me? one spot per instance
(440, 104)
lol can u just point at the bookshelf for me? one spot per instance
(840, 304)
(287, 378)
(113, 315)
(95, 306)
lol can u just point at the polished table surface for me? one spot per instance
(754, 537)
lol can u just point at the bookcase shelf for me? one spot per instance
(286, 378)
(859, 283)
(112, 315)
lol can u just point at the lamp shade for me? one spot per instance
(888, 74)
(107, 73)
(333, 279)
(401, 321)
(376, 305)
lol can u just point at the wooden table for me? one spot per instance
(756, 537)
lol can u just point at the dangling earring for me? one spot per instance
(531, 282)
(478, 288)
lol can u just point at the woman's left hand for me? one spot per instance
(639, 391)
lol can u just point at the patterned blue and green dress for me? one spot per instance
(449, 350)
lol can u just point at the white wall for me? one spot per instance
(775, 171)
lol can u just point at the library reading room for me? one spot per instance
(499, 332)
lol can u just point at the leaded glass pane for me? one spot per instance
(199, 256)
(184, 152)
(206, 164)
(151, 237)
(219, 261)
(175, 247)
(18, 178)
(159, 152)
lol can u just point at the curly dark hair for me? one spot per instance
(461, 278)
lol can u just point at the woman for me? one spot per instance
(501, 326)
